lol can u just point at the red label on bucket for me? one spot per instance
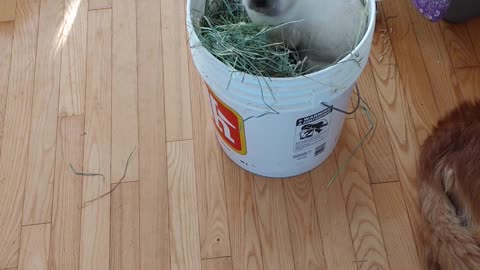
(229, 124)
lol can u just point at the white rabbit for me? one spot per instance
(322, 30)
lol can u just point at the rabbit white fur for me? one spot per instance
(323, 30)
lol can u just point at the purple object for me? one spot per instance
(434, 10)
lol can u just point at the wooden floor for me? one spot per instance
(85, 84)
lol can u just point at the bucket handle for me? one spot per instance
(345, 112)
(371, 130)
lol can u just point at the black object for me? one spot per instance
(461, 11)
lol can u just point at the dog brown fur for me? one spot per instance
(449, 190)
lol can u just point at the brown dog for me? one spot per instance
(449, 190)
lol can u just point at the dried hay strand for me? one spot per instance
(227, 32)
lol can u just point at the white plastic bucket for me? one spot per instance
(278, 127)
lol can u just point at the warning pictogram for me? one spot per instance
(229, 124)
(312, 132)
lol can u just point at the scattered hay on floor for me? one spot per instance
(87, 203)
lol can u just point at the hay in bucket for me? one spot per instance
(227, 32)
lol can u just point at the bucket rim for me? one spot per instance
(193, 40)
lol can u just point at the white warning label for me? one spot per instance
(312, 132)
